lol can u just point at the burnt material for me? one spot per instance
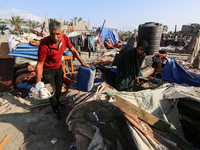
(6, 74)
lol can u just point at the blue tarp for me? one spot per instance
(23, 55)
(27, 50)
(109, 33)
(176, 73)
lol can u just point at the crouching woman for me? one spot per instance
(129, 66)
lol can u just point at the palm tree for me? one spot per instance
(24, 30)
(135, 31)
(3, 27)
(16, 21)
(33, 24)
(76, 18)
(165, 28)
(79, 19)
(65, 22)
(13, 32)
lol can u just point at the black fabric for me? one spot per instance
(127, 69)
(77, 40)
(55, 78)
(111, 123)
(88, 45)
(136, 64)
(143, 43)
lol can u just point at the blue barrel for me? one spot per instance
(151, 32)
(85, 78)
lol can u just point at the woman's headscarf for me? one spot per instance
(144, 44)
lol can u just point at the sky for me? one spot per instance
(122, 15)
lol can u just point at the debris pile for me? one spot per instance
(162, 112)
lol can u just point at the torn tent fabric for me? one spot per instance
(176, 73)
(98, 124)
(110, 34)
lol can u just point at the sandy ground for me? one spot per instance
(35, 128)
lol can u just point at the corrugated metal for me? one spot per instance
(6, 74)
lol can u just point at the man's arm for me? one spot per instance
(39, 71)
(76, 54)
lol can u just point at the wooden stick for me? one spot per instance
(142, 114)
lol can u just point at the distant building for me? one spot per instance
(190, 29)
(79, 27)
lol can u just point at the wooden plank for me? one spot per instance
(4, 141)
(141, 114)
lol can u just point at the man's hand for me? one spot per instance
(76, 54)
(39, 71)
(85, 65)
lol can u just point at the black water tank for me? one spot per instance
(151, 32)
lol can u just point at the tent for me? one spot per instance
(109, 33)
(97, 124)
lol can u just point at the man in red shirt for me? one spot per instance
(49, 64)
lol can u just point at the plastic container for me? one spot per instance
(147, 71)
(151, 32)
(85, 78)
(24, 85)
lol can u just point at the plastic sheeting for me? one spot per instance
(110, 33)
(149, 100)
(176, 73)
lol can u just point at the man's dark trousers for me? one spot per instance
(55, 78)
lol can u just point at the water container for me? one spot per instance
(85, 78)
(147, 71)
(151, 32)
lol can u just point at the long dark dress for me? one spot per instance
(127, 69)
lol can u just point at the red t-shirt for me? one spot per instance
(51, 55)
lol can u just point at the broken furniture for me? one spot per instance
(67, 56)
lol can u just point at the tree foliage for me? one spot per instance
(3, 27)
(135, 31)
(13, 32)
(124, 34)
(33, 24)
(165, 28)
(73, 21)
(16, 21)
(65, 22)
